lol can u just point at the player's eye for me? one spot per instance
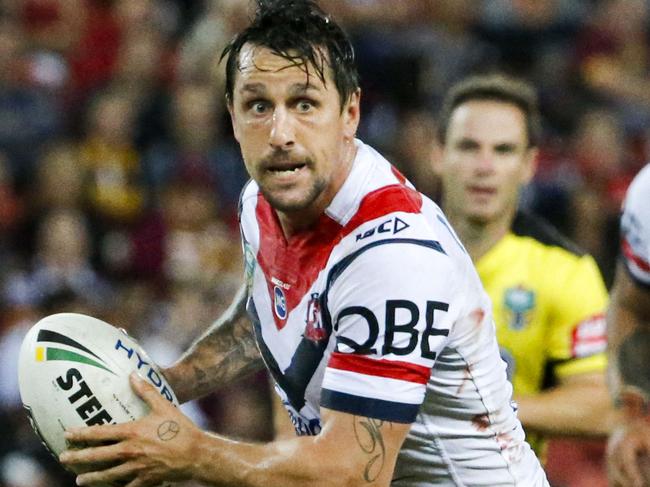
(466, 145)
(258, 106)
(305, 106)
(505, 149)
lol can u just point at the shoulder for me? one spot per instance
(552, 259)
(400, 256)
(249, 192)
(636, 208)
(544, 234)
(635, 228)
(638, 194)
(247, 202)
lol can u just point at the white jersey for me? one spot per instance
(378, 312)
(635, 228)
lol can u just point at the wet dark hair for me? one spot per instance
(493, 87)
(300, 32)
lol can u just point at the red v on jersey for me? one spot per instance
(291, 266)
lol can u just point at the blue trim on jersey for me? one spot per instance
(344, 263)
(443, 220)
(396, 412)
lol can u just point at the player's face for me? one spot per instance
(486, 160)
(297, 143)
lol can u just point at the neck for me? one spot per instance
(479, 237)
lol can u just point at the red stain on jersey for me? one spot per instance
(504, 440)
(477, 316)
(467, 376)
(481, 422)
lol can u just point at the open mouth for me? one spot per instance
(286, 169)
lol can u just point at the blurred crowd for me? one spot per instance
(119, 176)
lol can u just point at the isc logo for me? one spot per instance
(147, 368)
(392, 226)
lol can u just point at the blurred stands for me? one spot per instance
(119, 176)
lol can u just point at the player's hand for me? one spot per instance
(161, 446)
(628, 454)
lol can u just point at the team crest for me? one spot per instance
(279, 302)
(314, 330)
(519, 302)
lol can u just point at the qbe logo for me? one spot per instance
(279, 302)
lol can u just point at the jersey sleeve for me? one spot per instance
(577, 327)
(391, 309)
(635, 229)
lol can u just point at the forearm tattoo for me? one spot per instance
(367, 432)
(634, 361)
(226, 353)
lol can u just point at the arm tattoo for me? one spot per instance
(225, 352)
(632, 358)
(367, 432)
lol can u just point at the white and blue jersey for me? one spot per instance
(377, 311)
(635, 228)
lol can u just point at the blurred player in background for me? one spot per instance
(628, 324)
(366, 309)
(548, 299)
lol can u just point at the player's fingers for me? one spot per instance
(122, 471)
(146, 391)
(94, 434)
(138, 482)
(95, 454)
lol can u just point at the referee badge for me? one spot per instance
(519, 302)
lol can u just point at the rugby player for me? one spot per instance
(628, 324)
(364, 305)
(548, 298)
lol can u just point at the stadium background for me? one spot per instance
(119, 177)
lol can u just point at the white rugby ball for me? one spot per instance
(74, 371)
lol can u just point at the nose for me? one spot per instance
(485, 161)
(282, 132)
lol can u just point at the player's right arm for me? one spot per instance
(351, 450)
(628, 324)
(224, 353)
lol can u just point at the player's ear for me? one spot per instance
(233, 120)
(436, 156)
(351, 115)
(530, 165)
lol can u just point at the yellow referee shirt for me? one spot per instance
(549, 302)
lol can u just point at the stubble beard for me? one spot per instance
(294, 205)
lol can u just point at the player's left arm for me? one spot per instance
(628, 326)
(578, 404)
(628, 329)
(350, 451)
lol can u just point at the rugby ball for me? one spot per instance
(74, 371)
